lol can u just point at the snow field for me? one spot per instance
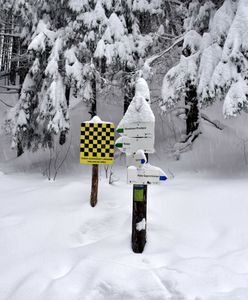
(55, 246)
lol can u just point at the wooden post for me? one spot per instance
(94, 186)
(95, 169)
(139, 217)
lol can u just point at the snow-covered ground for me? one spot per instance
(53, 245)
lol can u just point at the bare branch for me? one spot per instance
(8, 92)
(63, 160)
(10, 34)
(10, 87)
(5, 103)
(216, 123)
(176, 2)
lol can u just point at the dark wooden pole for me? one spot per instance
(95, 169)
(94, 186)
(139, 217)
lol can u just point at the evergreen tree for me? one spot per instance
(213, 65)
(181, 82)
(79, 45)
(225, 76)
(116, 38)
(41, 112)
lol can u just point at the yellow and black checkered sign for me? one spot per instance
(97, 143)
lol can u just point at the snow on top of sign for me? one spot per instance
(138, 111)
(140, 154)
(142, 89)
(97, 120)
(132, 168)
(149, 167)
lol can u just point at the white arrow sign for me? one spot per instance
(148, 174)
(138, 129)
(131, 145)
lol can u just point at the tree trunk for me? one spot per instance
(2, 45)
(129, 88)
(67, 94)
(14, 62)
(19, 148)
(93, 109)
(192, 110)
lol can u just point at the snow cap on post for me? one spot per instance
(97, 120)
(138, 124)
(139, 109)
(140, 156)
(142, 89)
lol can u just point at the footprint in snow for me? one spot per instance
(8, 221)
(95, 230)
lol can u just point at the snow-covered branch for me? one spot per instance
(151, 60)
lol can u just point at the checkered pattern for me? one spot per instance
(97, 143)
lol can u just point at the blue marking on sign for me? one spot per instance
(143, 161)
(162, 178)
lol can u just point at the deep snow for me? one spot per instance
(53, 245)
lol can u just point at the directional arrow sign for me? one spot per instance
(146, 175)
(138, 129)
(131, 145)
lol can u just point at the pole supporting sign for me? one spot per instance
(97, 143)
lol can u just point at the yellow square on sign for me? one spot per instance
(97, 143)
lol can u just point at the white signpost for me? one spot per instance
(137, 131)
(135, 136)
(131, 145)
(147, 174)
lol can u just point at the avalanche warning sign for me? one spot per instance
(97, 143)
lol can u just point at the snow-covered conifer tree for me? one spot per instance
(225, 78)
(78, 44)
(41, 112)
(115, 38)
(214, 62)
(180, 83)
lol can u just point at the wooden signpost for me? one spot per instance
(96, 147)
(139, 217)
